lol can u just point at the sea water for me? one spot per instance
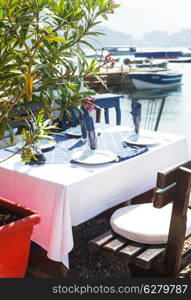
(169, 113)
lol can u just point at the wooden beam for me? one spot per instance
(164, 196)
(177, 229)
(146, 197)
(168, 176)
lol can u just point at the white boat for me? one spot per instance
(120, 50)
(157, 79)
(149, 53)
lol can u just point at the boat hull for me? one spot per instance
(155, 81)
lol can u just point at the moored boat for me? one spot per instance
(150, 80)
(159, 54)
(181, 60)
(148, 53)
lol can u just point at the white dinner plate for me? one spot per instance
(93, 157)
(42, 144)
(74, 131)
(141, 140)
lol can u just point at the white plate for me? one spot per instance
(141, 140)
(74, 131)
(93, 157)
(42, 144)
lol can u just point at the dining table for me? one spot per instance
(67, 191)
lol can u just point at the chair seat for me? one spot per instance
(144, 223)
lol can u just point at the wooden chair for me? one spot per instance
(107, 101)
(102, 101)
(166, 260)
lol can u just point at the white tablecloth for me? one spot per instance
(67, 196)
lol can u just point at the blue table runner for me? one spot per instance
(108, 140)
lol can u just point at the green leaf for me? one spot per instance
(87, 44)
(105, 17)
(56, 39)
(12, 135)
(24, 19)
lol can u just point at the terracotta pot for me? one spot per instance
(15, 240)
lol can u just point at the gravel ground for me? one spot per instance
(84, 264)
(186, 273)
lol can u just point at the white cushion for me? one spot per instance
(144, 223)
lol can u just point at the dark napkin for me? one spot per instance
(136, 113)
(90, 129)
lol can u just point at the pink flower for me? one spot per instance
(87, 99)
(87, 103)
(90, 107)
(112, 64)
(112, 3)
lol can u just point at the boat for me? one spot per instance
(157, 79)
(120, 50)
(159, 54)
(143, 63)
(118, 75)
(180, 60)
(132, 64)
(98, 54)
(146, 53)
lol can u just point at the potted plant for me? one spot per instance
(39, 129)
(42, 59)
(16, 225)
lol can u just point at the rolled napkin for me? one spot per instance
(136, 113)
(89, 124)
(83, 127)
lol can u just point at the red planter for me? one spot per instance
(15, 240)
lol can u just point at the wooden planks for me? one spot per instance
(150, 256)
(101, 240)
(131, 250)
(116, 244)
(143, 255)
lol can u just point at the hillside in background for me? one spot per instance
(111, 37)
(150, 39)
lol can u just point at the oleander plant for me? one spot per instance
(42, 61)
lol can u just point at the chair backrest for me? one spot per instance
(103, 101)
(73, 122)
(174, 185)
(107, 101)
